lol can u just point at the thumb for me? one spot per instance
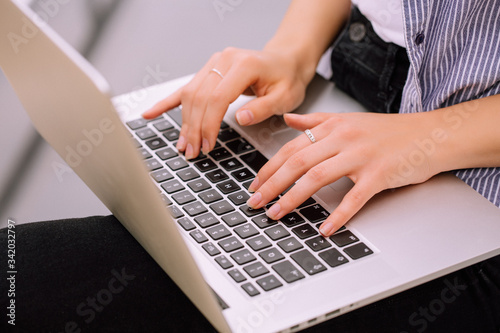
(301, 122)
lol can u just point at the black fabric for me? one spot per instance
(90, 275)
(370, 70)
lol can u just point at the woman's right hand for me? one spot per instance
(276, 79)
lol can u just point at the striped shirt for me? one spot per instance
(454, 52)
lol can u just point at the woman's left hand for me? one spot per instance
(376, 151)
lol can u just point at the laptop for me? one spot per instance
(244, 272)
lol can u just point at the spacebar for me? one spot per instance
(255, 160)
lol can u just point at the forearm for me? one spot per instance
(466, 135)
(307, 30)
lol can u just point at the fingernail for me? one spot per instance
(274, 211)
(244, 117)
(254, 200)
(205, 146)
(189, 151)
(253, 187)
(326, 229)
(181, 144)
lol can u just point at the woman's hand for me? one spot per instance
(376, 151)
(275, 78)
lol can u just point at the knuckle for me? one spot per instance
(289, 148)
(296, 161)
(317, 174)
(355, 197)
(216, 98)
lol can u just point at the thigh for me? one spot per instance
(89, 275)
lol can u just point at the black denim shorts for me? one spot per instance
(367, 68)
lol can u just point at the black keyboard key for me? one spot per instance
(171, 135)
(333, 257)
(292, 219)
(242, 175)
(308, 262)
(228, 186)
(304, 231)
(186, 224)
(137, 123)
(211, 249)
(258, 243)
(339, 230)
(206, 220)
(152, 164)
(318, 243)
(358, 251)
(198, 185)
(231, 164)
(194, 208)
(172, 186)
(210, 196)
(236, 275)
(256, 269)
(218, 232)
(290, 244)
(205, 165)
(176, 163)
(216, 176)
(188, 174)
(308, 202)
(288, 271)
(243, 257)
(263, 221)
(271, 255)
(239, 146)
(222, 207)
(166, 153)
(144, 154)
(161, 175)
(315, 213)
(176, 115)
(234, 219)
(246, 231)
(247, 184)
(220, 154)
(230, 244)
(198, 236)
(227, 135)
(239, 198)
(145, 133)
(163, 125)
(344, 238)
(175, 212)
(183, 197)
(223, 262)
(277, 232)
(223, 125)
(269, 282)
(255, 160)
(250, 289)
(156, 143)
(250, 211)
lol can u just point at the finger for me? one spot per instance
(164, 105)
(302, 122)
(284, 154)
(320, 175)
(352, 202)
(198, 113)
(300, 163)
(276, 102)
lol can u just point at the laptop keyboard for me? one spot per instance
(207, 196)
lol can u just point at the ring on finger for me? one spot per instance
(216, 71)
(310, 135)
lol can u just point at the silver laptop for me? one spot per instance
(244, 272)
